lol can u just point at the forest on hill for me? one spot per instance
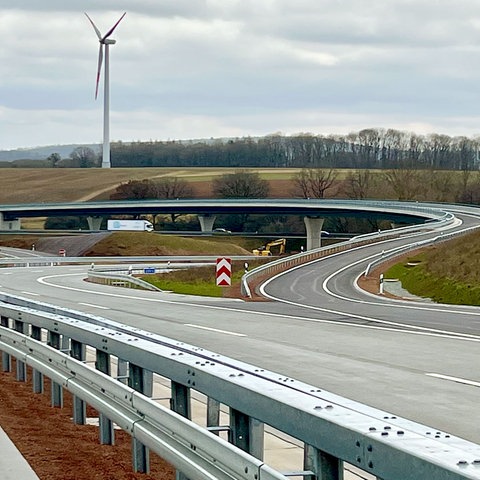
(371, 148)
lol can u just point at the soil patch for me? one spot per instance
(56, 448)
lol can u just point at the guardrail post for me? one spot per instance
(6, 358)
(79, 352)
(180, 403)
(246, 433)
(37, 377)
(122, 371)
(107, 436)
(213, 413)
(56, 389)
(323, 465)
(20, 327)
(139, 380)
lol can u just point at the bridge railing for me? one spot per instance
(334, 430)
(117, 279)
(291, 261)
(397, 252)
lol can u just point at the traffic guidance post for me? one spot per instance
(224, 272)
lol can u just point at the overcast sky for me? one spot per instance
(231, 68)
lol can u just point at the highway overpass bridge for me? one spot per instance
(314, 211)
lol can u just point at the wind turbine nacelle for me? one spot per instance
(109, 41)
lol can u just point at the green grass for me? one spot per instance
(447, 273)
(194, 281)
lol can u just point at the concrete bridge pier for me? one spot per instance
(13, 224)
(206, 222)
(94, 223)
(314, 231)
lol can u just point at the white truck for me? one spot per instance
(129, 225)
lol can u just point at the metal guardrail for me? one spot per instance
(119, 279)
(397, 252)
(50, 261)
(300, 258)
(192, 449)
(334, 430)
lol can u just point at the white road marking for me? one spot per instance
(226, 332)
(454, 379)
(430, 333)
(414, 328)
(7, 273)
(31, 293)
(94, 306)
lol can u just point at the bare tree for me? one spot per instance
(134, 190)
(443, 186)
(405, 183)
(314, 182)
(359, 184)
(172, 187)
(84, 157)
(240, 184)
(54, 160)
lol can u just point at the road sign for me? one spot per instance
(224, 272)
(62, 252)
(149, 270)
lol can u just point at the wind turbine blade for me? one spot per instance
(99, 69)
(113, 28)
(97, 31)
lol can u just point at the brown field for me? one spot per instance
(34, 185)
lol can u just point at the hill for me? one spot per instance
(41, 153)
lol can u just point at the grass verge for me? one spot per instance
(440, 273)
(195, 280)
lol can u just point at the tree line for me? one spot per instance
(369, 148)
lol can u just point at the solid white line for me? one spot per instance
(215, 330)
(31, 293)
(454, 379)
(447, 334)
(94, 306)
(413, 328)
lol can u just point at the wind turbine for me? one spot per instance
(105, 42)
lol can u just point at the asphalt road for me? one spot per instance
(428, 376)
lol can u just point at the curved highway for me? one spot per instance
(417, 361)
(328, 285)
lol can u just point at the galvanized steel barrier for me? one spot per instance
(399, 251)
(291, 261)
(119, 279)
(333, 429)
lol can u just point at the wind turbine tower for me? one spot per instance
(105, 43)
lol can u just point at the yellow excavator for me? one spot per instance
(264, 251)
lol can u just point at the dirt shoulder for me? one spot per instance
(56, 448)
